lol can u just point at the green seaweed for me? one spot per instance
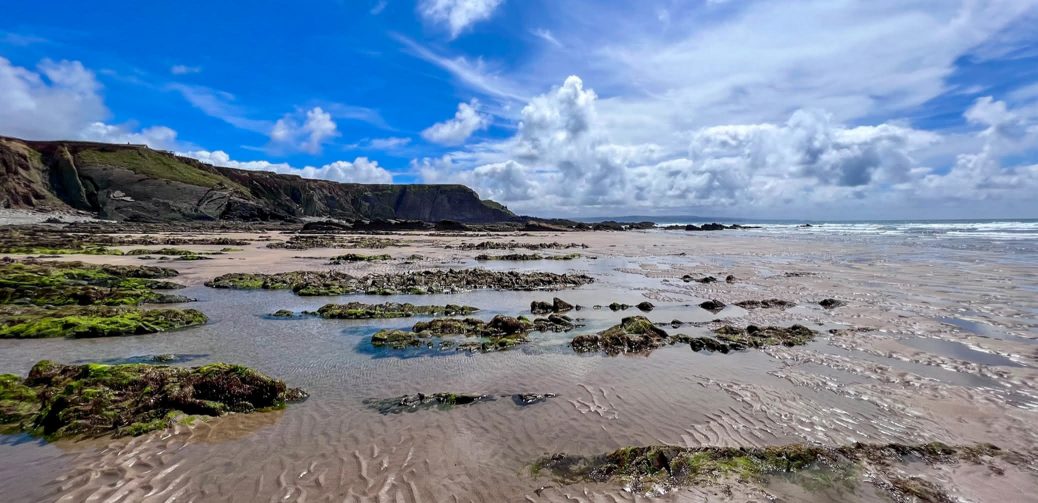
(648, 469)
(57, 401)
(362, 311)
(93, 321)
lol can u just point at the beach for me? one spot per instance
(930, 339)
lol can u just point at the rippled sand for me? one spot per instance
(950, 354)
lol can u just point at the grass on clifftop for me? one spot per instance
(155, 164)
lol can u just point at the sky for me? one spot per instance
(828, 109)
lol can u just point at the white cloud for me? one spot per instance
(562, 158)
(361, 170)
(457, 15)
(379, 6)
(307, 131)
(547, 36)
(220, 105)
(184, 69)
(389, 143)
(455, 131)
(473, 74)
(61, 100)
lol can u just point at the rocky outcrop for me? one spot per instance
(136, 183)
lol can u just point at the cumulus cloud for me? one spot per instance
(457, 15)
(307, 131)
(361, 170)
(563, 158)
(61, 100)
(455, 131)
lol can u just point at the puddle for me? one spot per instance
(959, 351)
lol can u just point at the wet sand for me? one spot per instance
(946, 349)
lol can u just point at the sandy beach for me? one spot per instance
(932, 343)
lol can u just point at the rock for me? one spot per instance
(30, 322)
(283, 313)
(616, 306)
(420, 401)
(757, 337)
(500, 333)
(450, 225)
(645, 306)
(831, 303)
(308, 283)
(58, 401)
(511, 245)
(557, 305)
(644, 470)
(729, 279)
(527, 256)
(714, 306)
(357, 257)
(705, 280)
(635, 334)
(362, 311)
(326, 226)
(524, 399)
(765, 304)
(707, 344)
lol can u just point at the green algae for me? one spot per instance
(75, 283)
(757, 337)
(499, 334)
(527, 256)
(655, 468)
(314, 283)
(634, 334)
(358, 257)
(70, 250)
(92, 321)
(58, 401)
(362, 311)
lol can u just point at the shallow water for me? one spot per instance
(909, 380)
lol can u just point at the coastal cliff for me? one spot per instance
(136, 183)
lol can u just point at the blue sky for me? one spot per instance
(741, 108)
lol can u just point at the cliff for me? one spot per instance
(136, 183)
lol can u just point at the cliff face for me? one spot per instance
(136, 183)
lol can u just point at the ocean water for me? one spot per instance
(1021, 229)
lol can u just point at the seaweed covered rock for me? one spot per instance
(32, 322)
(526, 256)
(50, 283)
(831, 303)
(511, 245)
(635, 334)
(655, 469)
(308, 242)
(58, 400)
(714, 306)
(500, 333)
(308, 283)
(362, 311)
(358, 257)
(757, 337)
